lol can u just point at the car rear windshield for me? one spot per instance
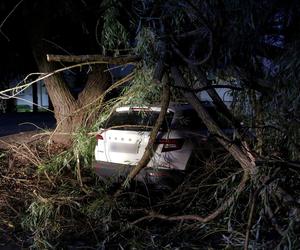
(137, 120)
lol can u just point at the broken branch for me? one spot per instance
(92, 58)
(198, 218)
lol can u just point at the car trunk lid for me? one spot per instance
(124, 147)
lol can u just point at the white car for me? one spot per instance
(122, 142)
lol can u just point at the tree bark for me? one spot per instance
(92, 58)
(165, 99)
(149, 149)
(215, 97)
(71, 113)
(240, 154)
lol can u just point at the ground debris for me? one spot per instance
(44, 205)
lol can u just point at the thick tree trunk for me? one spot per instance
(71, 113)
(89, 99)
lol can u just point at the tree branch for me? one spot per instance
(198, 218)
(199, 31)
(149, 148)
(91, 58)
(193, 61)
(245, 158)
(204, 88)
(5, 19)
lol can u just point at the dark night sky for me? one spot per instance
(61, 26)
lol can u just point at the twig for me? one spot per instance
(273, 220)
(192, 33)
(78, 169)
(249, 224)
(46, 75)
(6, 97)
(12, 208)
(253, 203)
(49, 179)
(198, 218)
(9, 14)
(15, 179)
(191, 61)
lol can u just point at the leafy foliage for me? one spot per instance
(114, 34)
(135, 93)
(145, 45)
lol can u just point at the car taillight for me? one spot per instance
(171, 144)
(99, 137)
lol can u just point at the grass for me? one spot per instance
(59, 209)
(24, 108)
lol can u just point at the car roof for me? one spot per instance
(173, 107)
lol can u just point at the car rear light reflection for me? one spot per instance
(99, 137)
(140, 109)
(158, 174)
(171, 144)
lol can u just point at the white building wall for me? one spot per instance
(43, 100)
(25, 97)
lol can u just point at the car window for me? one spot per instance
(137, 118)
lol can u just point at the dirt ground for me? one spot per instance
(20, 138)
(19, 153)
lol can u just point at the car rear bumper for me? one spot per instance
(157, 176)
